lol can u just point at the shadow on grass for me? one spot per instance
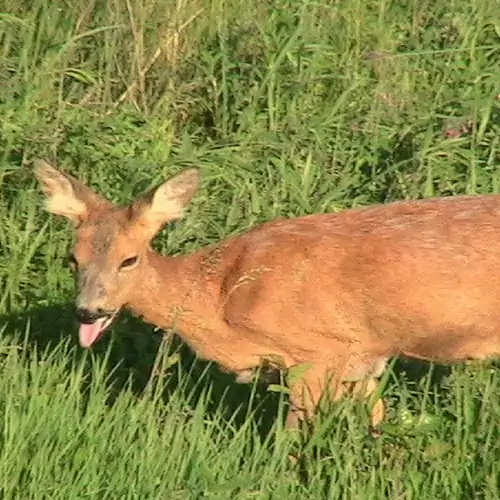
(132, 355)
(135, 347)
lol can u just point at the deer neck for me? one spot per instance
(168, 294)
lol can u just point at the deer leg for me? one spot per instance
(305, 396)
(365, 389)
(306, 393)
(361, 376)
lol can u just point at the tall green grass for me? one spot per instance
(289, 108)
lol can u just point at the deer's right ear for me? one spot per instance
(64, 195)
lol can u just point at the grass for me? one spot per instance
(289, 108)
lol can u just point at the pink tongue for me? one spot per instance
(89, 333)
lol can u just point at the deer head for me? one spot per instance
(112, 243)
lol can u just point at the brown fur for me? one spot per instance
(343, 292)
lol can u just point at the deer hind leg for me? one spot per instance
(364, 390)
(306, 393)
(367, 385)
(320, 381)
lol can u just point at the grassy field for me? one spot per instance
(289, 108)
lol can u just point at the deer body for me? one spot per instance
(340, 292)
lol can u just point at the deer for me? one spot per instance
(341, 293)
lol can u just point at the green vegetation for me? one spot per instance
(289, 108)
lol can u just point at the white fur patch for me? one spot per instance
(67, 205)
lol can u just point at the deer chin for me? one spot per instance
(90, 332)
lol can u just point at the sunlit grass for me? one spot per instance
(288, 108)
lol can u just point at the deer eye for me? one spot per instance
(131, 261)
(73, 263)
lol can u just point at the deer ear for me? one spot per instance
(65, 195)
(168, 201)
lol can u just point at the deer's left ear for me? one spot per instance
(167, 202)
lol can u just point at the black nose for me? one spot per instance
(88, 316)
